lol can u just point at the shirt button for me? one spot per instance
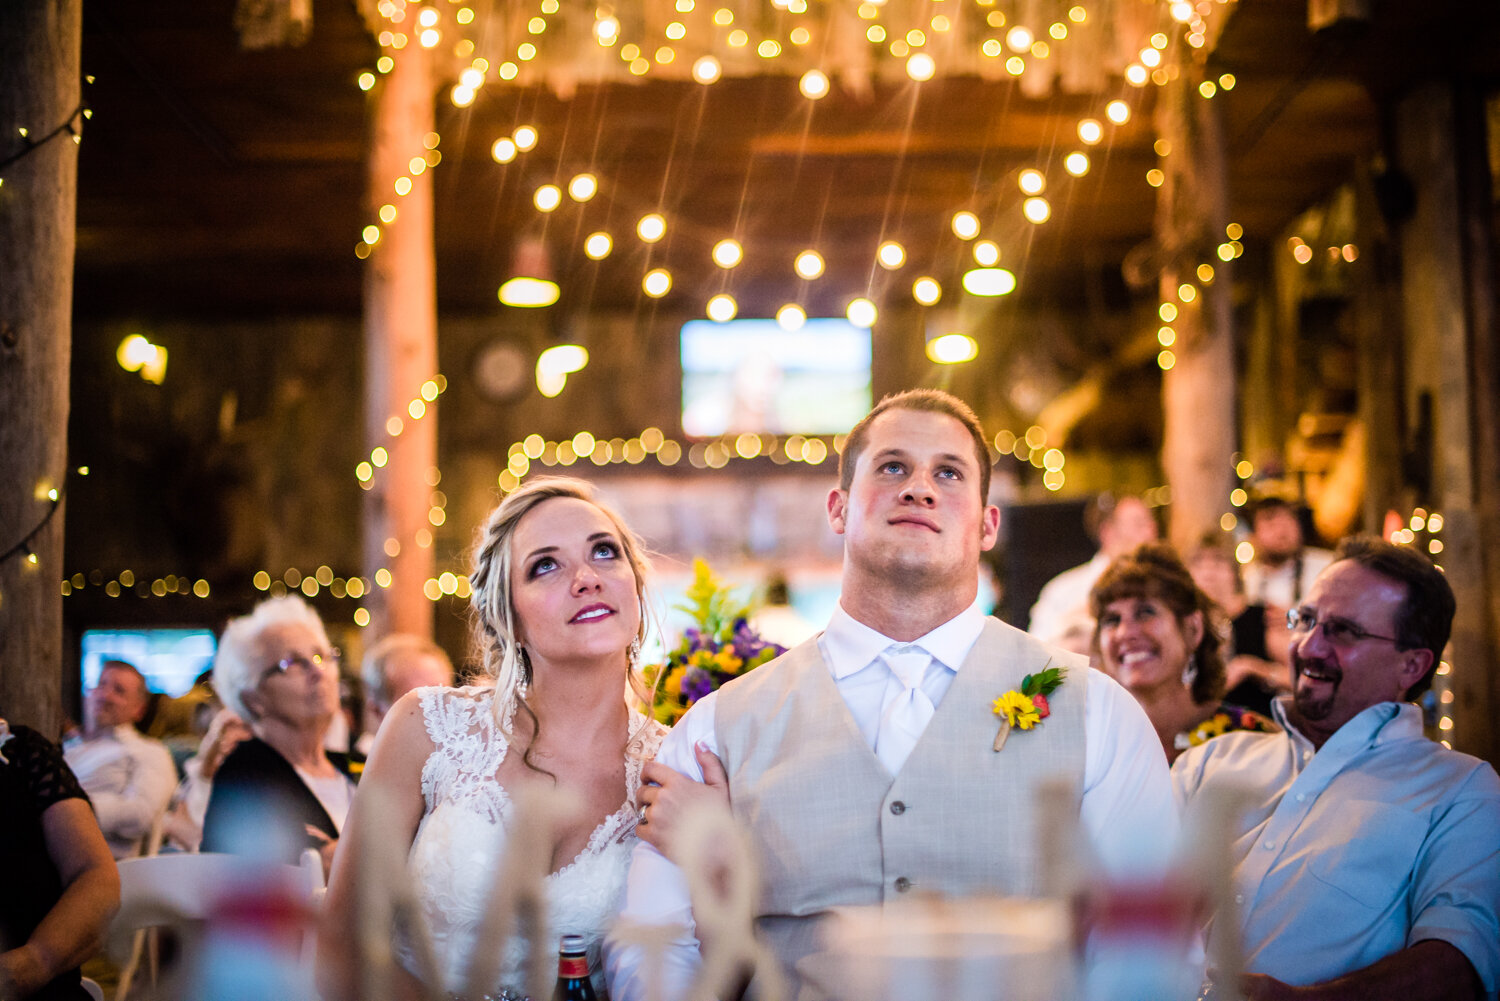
(1239, 898)
(902, 884)
(1301, 796)
(898, 808)
(1269, 845)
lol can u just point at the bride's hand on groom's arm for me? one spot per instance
(666, 796)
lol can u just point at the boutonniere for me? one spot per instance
(1027, 706)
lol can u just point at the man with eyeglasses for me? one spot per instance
(1367, 862)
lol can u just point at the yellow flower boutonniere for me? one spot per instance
(1027, 707)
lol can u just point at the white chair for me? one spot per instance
(139, 946)
(183, 889)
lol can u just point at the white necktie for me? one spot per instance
(909, 712)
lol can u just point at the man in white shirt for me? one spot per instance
(1283, 568)
(1061, 613)
(844, 788)
(129, 778)
(1368, 865)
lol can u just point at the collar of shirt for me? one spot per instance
(1367, 727)
(120, 733)
(849, 645)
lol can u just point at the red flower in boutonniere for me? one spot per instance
(1027, 707)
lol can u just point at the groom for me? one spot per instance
(862, 763)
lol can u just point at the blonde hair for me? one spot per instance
(492, 610)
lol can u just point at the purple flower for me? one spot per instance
(696, 683)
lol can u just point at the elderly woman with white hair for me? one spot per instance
(279, 792)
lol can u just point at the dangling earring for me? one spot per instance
(1190, 672)
(524, 681)
(633, 655)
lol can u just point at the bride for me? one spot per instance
(557, 598)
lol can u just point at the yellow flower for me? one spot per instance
(1211, 727)
(672, 683)
(1018, 709)
(726, 660)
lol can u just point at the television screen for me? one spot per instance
(751, 375)
(169, 658)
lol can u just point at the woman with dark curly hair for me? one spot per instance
(1158, 635)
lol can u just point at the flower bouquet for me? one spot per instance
(719, 646)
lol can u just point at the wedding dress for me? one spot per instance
(459, 841)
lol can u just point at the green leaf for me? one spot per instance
(1044, 682)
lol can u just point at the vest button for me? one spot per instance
(898, 808)
(902, 884)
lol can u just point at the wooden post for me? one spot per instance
(1448, 298)
(40, 42)
(1380, 372)
(1480, 735)
(401, 351)
(1198, 390)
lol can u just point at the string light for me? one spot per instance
(904, 41)
(651, 444)
(69, 127)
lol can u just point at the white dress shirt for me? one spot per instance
(1127, 788)
(1063, 603)
(1280, 587)
(129, 779)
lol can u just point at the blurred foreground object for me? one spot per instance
(244, 926)
(1007, 949)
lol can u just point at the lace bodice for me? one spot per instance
(453, 857)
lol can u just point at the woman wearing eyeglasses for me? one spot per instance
(279, 792)
(1158, 635)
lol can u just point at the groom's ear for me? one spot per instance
(838, 503)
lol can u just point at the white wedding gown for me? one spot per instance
(457, 847)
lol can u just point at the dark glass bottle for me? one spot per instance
(573, 982)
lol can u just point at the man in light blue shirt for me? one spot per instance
(1368, 865)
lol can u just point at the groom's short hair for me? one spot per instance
(932, 401)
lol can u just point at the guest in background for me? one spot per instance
(181, 722)
(280, 791)
(392, 667)
(128, 777)
(1061, 613)
(1283, 567)
(1156, 637)
(58, 885)
(1255, 648)
(1367, 862)
(184, 823)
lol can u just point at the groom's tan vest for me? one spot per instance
(832, 828)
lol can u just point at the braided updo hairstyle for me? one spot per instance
(1154, 571)
(491, 609)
